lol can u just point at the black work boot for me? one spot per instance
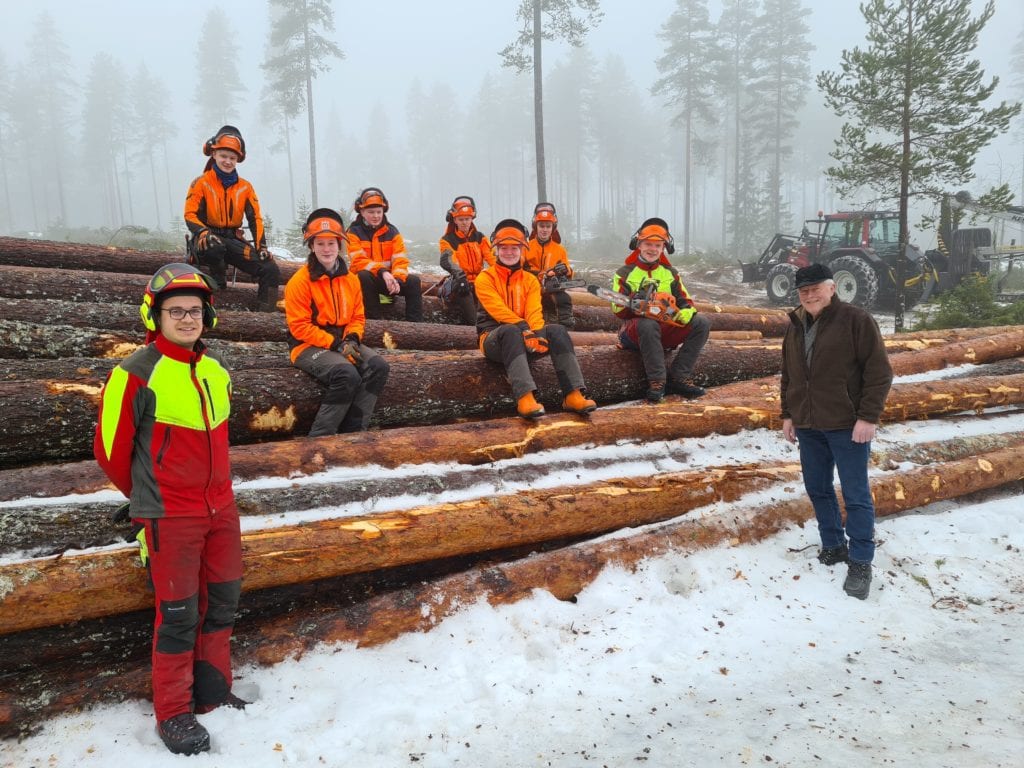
(858, 580)
(183, 735)
(833, 555)
(686, 389)
(655, 391)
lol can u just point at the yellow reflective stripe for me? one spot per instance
(113, 395)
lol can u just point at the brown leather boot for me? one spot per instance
(577, 402)
(528, 407)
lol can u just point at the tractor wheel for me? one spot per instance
(856, 281)
(780, 284)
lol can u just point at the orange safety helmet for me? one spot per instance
(177, 277)
(323, 222)
(463, 205)
(228, 137)
(653, 229)
(370, 197)
(509, 231)
(545, 212)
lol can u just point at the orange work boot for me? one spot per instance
(528, 407)
(577, 402)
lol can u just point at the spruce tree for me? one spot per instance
(688, 73)
(220, 87)
(299, 51)
(913, 100)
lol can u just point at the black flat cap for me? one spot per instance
(812, 275)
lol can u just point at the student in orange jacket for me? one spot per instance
(511, 327)
(547, 259)
(464, 252)
(162, 439)
(324, 309)
(378, 257)
(215, 205)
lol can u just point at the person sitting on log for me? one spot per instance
(323, 306)
(511, 326)
(546, 258)
(162, 439)
(214, 208)
(378, 257)
(464, 252)
(647, 271)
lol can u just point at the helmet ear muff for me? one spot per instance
(146, 312)
(209, 316)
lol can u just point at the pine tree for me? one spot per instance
(51, 76)
(688, 72)
(1017, 71)
(151, 106)
(7, 221)
(737, 34)
(782, 51)
(524, 53)
(914, 104)
(104, 100)
(299, 51)
(220, 87)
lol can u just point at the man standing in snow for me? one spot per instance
(835, 379)
(162, 439)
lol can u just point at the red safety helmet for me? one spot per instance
(177, 277)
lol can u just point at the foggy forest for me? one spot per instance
(725, 122)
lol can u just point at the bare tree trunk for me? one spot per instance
(538, 105)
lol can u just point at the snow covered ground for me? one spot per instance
(735, 656)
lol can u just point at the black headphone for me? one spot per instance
(670, 244)
(358, 205)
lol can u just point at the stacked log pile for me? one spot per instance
(74, 621)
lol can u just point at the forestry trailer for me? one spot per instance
(861, 247)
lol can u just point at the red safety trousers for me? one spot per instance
(196, 567)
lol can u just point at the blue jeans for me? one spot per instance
(821, 453)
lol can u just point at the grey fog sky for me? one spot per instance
(390, 43)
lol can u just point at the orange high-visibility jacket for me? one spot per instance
(472, 251)
(508, 296)
(540, 257)
(377, 249)
(322, 308)
(209, 205)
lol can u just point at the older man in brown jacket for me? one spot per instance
(835, 379)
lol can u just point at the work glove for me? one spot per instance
(460, 283)
(535, 344)
(264, 255)
(561, 269)
(205, 238)
(348, 348)
(685, 315)
(123, 514)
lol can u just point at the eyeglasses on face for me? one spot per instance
(178, 313)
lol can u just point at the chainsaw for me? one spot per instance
(646, 302)
(555, 284)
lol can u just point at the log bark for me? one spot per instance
(45, 684)
(46, 592)
(274, 404)
(20, 340)
(28, 531)
(50, 254)
(725, 410)
(54, 419)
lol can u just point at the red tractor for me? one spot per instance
(860, 247)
